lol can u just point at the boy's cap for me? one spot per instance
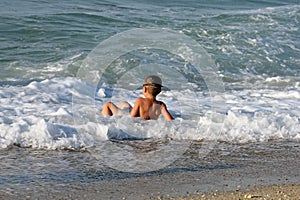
(153, 81)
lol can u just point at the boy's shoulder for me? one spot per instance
(139, 100)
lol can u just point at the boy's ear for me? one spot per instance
(144, 89)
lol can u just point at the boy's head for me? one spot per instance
(153, 84)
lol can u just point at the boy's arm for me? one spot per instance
(135, 110)
(166, 113)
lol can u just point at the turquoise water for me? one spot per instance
(247, 39)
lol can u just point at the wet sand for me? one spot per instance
(229, 171)
(288, 192)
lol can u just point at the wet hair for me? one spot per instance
(153, 90)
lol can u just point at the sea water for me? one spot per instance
(254, 45)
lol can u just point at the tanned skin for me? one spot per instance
(146, 108)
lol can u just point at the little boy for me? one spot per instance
(146, 108)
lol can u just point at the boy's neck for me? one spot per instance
(151, 97)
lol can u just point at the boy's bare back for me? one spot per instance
(146, 108)
(149, 109)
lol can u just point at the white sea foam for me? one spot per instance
(40, 115)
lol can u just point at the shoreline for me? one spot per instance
(194, 185)
(229, 171)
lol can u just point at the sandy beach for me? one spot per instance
(291, 192)
(271, 192)
(250, 171)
